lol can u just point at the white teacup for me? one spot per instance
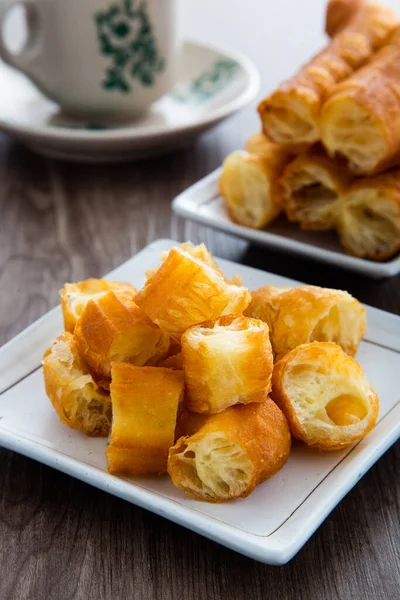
(102, 59)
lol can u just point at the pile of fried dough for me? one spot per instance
(329, 152)
(198, 376)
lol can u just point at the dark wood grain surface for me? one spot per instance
(61, 539)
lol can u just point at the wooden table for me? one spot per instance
(60, 538)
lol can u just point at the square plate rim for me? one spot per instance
(276, 548)
(206, 189)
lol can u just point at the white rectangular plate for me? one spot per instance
(202, 203)
(281, 514)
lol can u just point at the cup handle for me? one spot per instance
(28, 60)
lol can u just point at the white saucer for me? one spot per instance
(213, 83)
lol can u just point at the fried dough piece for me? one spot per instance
(325, 396)
(339, 13)
(201, 253)
(260, 145)
(224, 456)
(249, 182)
(75, 296)
(74, 394)
(312, 188)
(145, 402)
(114, 329)
(228, 361)
(265, 303)
(185, 291)
(361, 119)
(290, 115)
(309, 313)
(369, 220)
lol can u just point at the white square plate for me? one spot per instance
(281, 514)
(203, 203)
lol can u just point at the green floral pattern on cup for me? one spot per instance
(125, 35)
(209, 83)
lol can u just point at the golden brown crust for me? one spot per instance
(185, 291)
(74, 394)
(243, 446)
(75, 296)
(249, 182)
(339, 13)
(312, 186)
(290, 115)
(265, 304)
(277, 156)
(369, 220)
(249, 186)
(200, 252)
(114, 328)
(145, 403)
(325, 396)
(309, 313)
(228, 361)
(188, 422)
(361, 119)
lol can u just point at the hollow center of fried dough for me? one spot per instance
(88, 404)
(348, 129)
(237, 325)
(316, 193)
(93, 410)
(310, 197)
(370, 223)
(215, 467)
(346, 410)
(288, 122)
(320, 396)
(313, 203)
